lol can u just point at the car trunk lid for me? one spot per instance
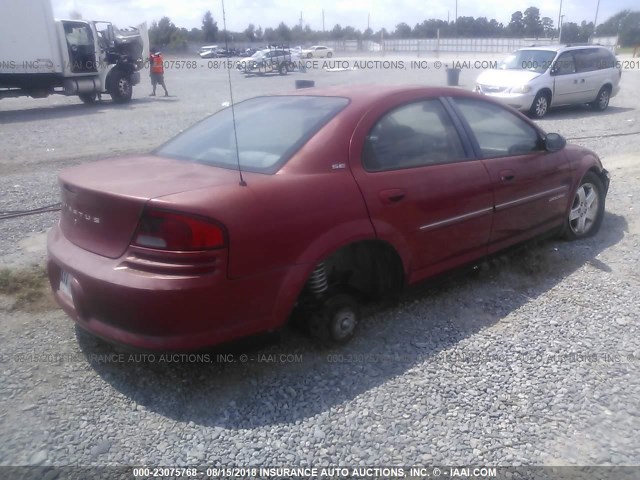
(102, 201)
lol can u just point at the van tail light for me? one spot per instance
(164, 230)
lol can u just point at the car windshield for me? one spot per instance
(269, 131)
(258, 54)
(532, 60)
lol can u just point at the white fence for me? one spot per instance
(458, 45)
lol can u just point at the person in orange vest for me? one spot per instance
(157, 71)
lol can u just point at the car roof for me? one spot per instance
(370, 94)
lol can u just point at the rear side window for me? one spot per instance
(586, 60)
(269, 131)
(604, 59)
(414, 135)
(499, 132)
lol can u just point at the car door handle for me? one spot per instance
(392, 195)
(507, 175)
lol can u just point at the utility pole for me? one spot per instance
(300, 20)
(323, 20)
(595, 21)
(560, 32)
(559, 20)
(368, 20)
(456, 25)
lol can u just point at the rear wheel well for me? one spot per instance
(370, 269)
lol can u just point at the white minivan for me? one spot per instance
(536, 78)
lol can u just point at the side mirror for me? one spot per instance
(111, 35)
(554, 142)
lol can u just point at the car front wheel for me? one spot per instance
(587, 208)
(602, 100)
(329, 54)
(540, 105)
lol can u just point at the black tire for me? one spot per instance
(120, 87)
(282, 69)
(585, 217)
(540, 105)
(88, 98)
(602, 100)
(336, 323)
(329, 54)
(309, 55)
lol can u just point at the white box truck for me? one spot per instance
(40, 55)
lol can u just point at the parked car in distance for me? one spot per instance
(309, 203)
(269, 61)
(209, 51)
(536, 78)
(317, 51)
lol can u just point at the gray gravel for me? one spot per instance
(531, 360)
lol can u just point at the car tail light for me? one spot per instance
(163, 230)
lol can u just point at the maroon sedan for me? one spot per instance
(313, 201)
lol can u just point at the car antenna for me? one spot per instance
(233, 108)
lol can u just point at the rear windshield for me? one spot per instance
(269, 131)
(532, 60)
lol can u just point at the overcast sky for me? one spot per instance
(383, 13)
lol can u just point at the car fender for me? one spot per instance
(583, 162)
(325, 245)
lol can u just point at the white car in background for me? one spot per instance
(209, 51)
(317, 51)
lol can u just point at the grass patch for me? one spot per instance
(29, 287)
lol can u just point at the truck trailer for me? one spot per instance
(41, 56)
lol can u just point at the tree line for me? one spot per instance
(527, 24)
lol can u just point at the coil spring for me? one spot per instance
(318, 283)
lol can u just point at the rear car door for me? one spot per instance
(565, 81)
(530, 185)
(425, 192)
(588, 75)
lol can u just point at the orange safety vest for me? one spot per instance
(157, 63)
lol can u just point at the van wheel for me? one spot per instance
(587, 209)
(540, 105)
(282, 69)
(336, 322)
(602, 100)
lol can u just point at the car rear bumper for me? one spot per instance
(159, 311)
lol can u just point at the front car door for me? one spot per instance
(425, 193)
(531, 186)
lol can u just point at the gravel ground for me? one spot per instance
(533, 359)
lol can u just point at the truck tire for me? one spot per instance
(120, 87)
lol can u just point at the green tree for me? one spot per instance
(516, 25)
(625, 24)
(160, 32)
(337, 33)
(402, 31)
(209, 28)
(250, 32)
(532, 23)
(547, 26)
(283, 32)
